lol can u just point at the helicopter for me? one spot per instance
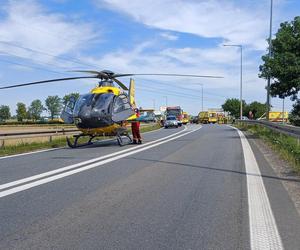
(105, 110)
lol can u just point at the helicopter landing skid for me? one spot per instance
(120, 140)
(75, 144)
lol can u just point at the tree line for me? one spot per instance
(232, 106)
(283, 66)
(53, 105)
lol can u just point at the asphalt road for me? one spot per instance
(182, 189)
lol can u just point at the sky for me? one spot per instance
(44, 39)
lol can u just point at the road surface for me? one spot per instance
(197, 187)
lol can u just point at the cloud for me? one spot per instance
(28, 24)
(209, 19)
(168, 36)
(188, 55)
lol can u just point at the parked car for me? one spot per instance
(171, 121)
(194, 119)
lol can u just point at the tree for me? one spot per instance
(257, 109)
(295, 114)
(67, 98)
(232, 106)
(4, 112)
(283, 65)
(21, 111)
(296, 109)
(54, 105)
(35, 109)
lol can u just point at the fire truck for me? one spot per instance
(176, 111)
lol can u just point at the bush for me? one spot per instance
(287, 146)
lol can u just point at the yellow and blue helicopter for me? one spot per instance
(105, 110)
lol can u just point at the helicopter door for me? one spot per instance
(67, 113)
(122, 109)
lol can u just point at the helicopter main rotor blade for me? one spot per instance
(46, 81)
(98, 73)
(180, 75)
(120, 83)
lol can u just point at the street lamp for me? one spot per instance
(270, 53)
(153, 103)
(201, 96)
(241, 76)
(166, 100)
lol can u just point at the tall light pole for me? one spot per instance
(241, 76)
(166, 100)
(153, 103)
(270, 54)
(201, 96)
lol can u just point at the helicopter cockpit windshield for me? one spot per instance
(98, 110)
(94, 109)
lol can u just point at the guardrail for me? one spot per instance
(42, 132)
(48, 134)
(11, 138)
(279, 127)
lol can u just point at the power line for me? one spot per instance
(182, 87)
(167, 92)
(31, 67)
(35, 61)
(64, 58)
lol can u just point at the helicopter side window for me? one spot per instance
(121, 108)
(67, 113)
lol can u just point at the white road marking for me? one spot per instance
(263, 229)
(56, 171)
(51, 149)
(30, 153)
(86, 167)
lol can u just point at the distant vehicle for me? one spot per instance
(194, 119)
(175, 111)
(185, 118)
(171, 121)
(276, 116)
(208, 117)
(147, 115)
(245, 118)
(222, 119)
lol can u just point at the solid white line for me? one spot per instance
(84, 168)
(51, 149)
(56, 171)
(263, 229)
(29, 153)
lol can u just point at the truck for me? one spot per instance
(185, 118)
(275, 116)
(177, 112)
(208, 117)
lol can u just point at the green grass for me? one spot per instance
(56, 143)
(29, 147)
(286, 146)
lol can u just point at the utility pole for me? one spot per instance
(270, 54)
(241, 75)
(283, 110)
(166, 100)
(202, 97)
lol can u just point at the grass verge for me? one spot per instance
(286, 146)
(29, 147)
(56, 143)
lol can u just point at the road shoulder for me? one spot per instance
(279, 182)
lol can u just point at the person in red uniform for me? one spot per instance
(135, 128)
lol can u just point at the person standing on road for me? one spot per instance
(135, 128)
